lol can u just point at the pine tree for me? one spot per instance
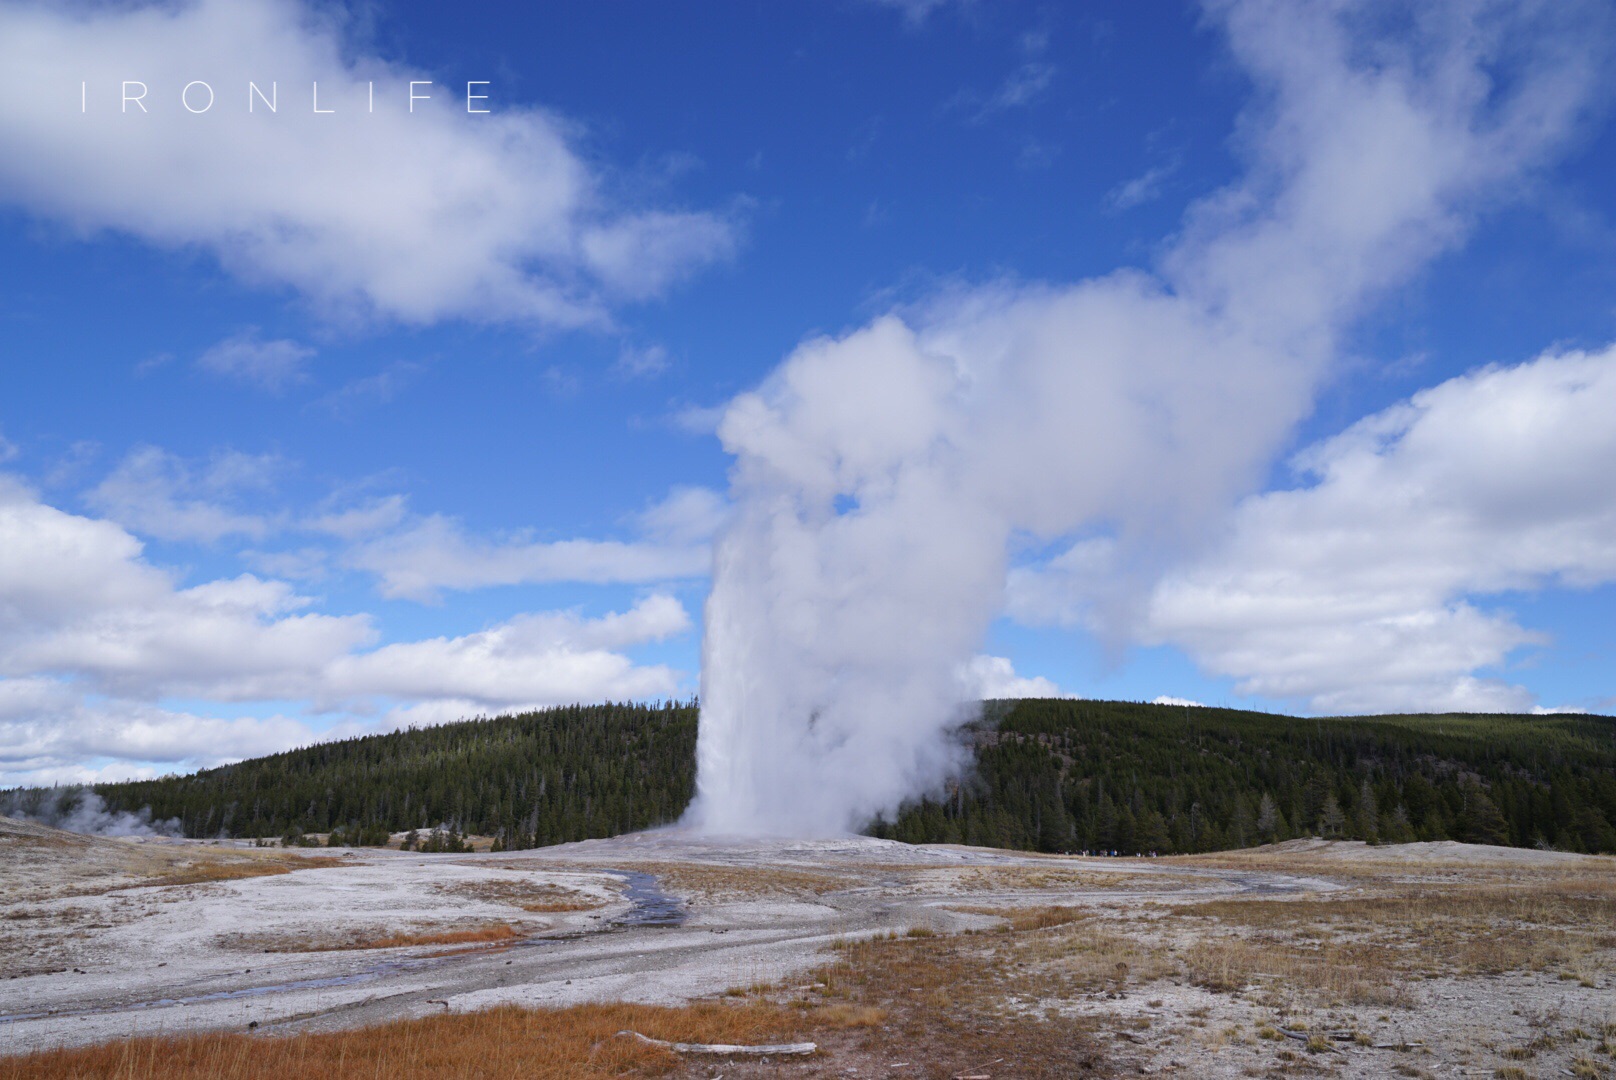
(1268, 819)
(1331, 820)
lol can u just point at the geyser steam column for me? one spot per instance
(879, 477)
(850, 583)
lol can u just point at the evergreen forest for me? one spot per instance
(1048, 775)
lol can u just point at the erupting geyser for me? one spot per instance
(882, 477)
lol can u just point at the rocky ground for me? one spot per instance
(1313, 957)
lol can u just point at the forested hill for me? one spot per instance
(1058, 775)
(1054, 775)
(537, 778)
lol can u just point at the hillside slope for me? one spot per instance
(1059, 775)
(1053, 775)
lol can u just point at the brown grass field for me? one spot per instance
(380, 938)
(579, 1043)
(207, 872)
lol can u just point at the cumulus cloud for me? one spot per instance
(535, 658)
(351, 523)
(1361, 592)
(269, 365)
(990, 678)
(162, 495)
(688, 514)
(52, 732)
(881, 476)
(436, 552)
(95, 642)
(376, 207)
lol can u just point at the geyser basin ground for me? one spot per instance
(1474, 952)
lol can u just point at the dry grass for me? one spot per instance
(577, 1043)
(722, 883)
(1019, 919)
(382, 938)
(1348, 974)
(481, 935)
(215, 870)
(527, 895)
(1055, 877)
(844, 1015)
(1363, 949)
(947, 1003)
(1506, 866)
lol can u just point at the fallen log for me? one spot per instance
(1349, 1036)
(776, 1049)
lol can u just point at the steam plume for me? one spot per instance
(81, 810)
(881, 477)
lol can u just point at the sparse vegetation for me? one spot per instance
(379, 938)
(208, 870)
(577, 1043)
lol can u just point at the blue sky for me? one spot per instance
(310, 430)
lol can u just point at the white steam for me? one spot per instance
(81, 810)
(882, 477)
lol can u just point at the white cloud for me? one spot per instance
(410, 216)
(8, 449)
(688, 515)
(436, 553)
(57, 567)
(1360, 592)
(989, 678)
(269, 365)
(376, 515)
(697, 419)
(640, 256)
(94, 640)
(1183, 702)
(161, 495)
(298, 564)
(537, 658)
(1146, 187)
(643, 363)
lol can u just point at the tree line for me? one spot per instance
(1048, 775)
(1069, 775)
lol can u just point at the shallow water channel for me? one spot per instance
(652, 906)
(649, 907)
